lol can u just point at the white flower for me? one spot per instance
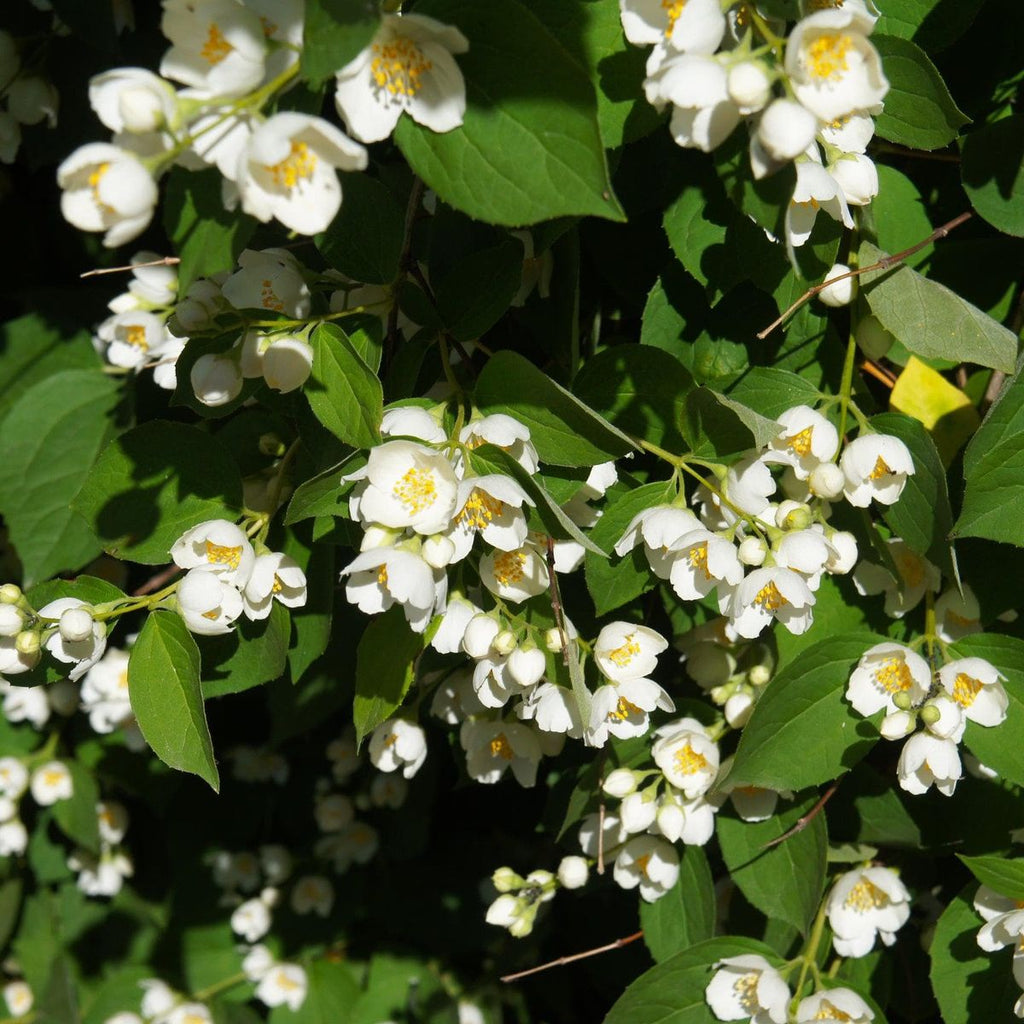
(687, 756)
(1004, 919)
(13, 838)
(112, 818)
(703, 114)
(974, 684)
(333, 811)
(388, 791)
(216, 379)
(283, 985)
(686, 26)
(411, 421)
(885, 670)
(26, 704)
(13, 777)
(217, 546)
(274, 576)
(748, 485)
(750, 86)
(493, 747)
(267, 279)
(573, 872)
(103, 875)
(659, 528)
(257, 962)
(157, 998)
(805, 440)
(208, 603)
(409, 67)
(408, 486)
(832, 68)
(312, 894)
(838, 1004)
(876, 467)
(104, 693)
(857, 177)
(251, 920)
(506, 433)
(81, 653)
(957, 614)
(622, 709)
(491, 506)
(815, 190)
(12, 661)
(863, 903)
(51, 782)
(553, 709)
(648, 862)
(943, 717)
(748, 988)
(356, 844)
(398, 744)
(785, 130)
(806, 552)
(766, 594)
(287, 363)
(106, 189)
(702, 561)
(382, 577)
(850, 134)
(515, 575)
(288, 168)
(838, 293)
(189, 1013)
(18, 997)
(625, 651)
(133, 100)
(218, 47)
(928, 760)
(133, 338)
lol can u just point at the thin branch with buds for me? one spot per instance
(883, 264)
(164, 261)
(563, 960)
(806, 819)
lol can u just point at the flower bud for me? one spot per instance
(752, 551)
(10, 593)
(526, 665)
(636, 813)
(759, 675)
(216, 380)
(902, 700)
(27, 642)
(930, 714)
(670, 820)
(504, 642)
(786, 129)
(738, 708)
(573, 872)
(793, 515)
(620, 782)
(749, 86)
(506, 880)
(271, 444)
(63, 697)
(287, 364)
(378, 537)
(438, 552)
(140, 110)
(842, 292)
(553, 640)
(11, 620)
(76, 625)
(826, 481)
(480, 634)
(898, 724)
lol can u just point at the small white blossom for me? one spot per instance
(687, 756)
(81, 653)
(506, 433)
(283, 985)
(208, 603)
(876, 467)
(858, 178)
(769, 593)
(883, 672)
(573, 872)
(382, 577)
(396, 744)
(13, 777)
(805, 441)
(863, 903)
(251, 920)
(622, 709)
(275, 576)
(132, 100)
(838, 1004)
(684, 26)
(216, 546)
(975, 686)
(493, 747)
(51, 782)
(624, 650)
(648, 862)
(928, 760)
(515, 575)
(747, 987)
(18, 997)
(312, 894)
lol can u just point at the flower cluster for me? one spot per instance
(47, 783)
(897, 681)
(226, 577)
(1004, 926)
(103, 874)
(233, 59)
(27, 98)
(787, 546)
(807, 98)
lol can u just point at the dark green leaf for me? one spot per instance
(770, 391)
(76, 817)
(1006, 877)
(10, 906)
(685, 915)
(335, 33)
(163, 684)
(477, 290)
(250, 656)
(152, 484)
(343, 392)
(992, 169)
(716, 427)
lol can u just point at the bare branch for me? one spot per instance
(563, 960)
(164, 261)
(806, 819)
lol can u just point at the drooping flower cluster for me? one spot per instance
(1004, 926)
(103, 873)
(26, 97)
(892, 678)
(807, 98)
(47, 784)
(786, 546)
(233, 59)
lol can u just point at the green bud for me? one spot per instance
(10, 593)
(930, 714)
(902, 701)
(27, 642)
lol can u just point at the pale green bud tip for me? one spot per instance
(271, 444)
(798, 519)
(553, 640)
(621, 782)
(930, 714)
(902, 701)
(759, 675)
(504, 642)
(76, 625)
(27, 642)
(10, 593)
(506, 880)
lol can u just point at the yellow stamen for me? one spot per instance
(829, 1011)
(623, 709)
(136, 337)
(219, 554)
(416, 490)
(509, 567)
(800, 443)
(769, 598)
(268, 297)
(865, 896)
(480, 510)
(641, 864)
(626, 652)
(297, 166)
(398, 66)
(672, 9)
(382, 576)
(826, 56)
(745, 987)
(216, 47)
(500, 747)
(698, 558)
(965, 689)
(893, 676)
(689, 761)
(880, 470)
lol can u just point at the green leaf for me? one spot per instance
(919, 112)
(10, 905)
(934, 24)
(206, 235)
(639, 388)
(252, 655)
(992, 170)
(330, 999)
(58, 1001)
(999, 747)
(993, 504)
(922, 516)
(900, 215)
(932, 321)
(685, 915)
(323, 494)
(518, 158)
(785, 881)
(152, 484)
(764, 199)
(770, 391)
(673, 992)
(33, 350)
(1004, 876)
(335, 32)
(385, 667)
(614, 581)
(343, 392)
(311, 624)
(477, 290)
(564, 431)
(119, 990)
(364, 241)
(209, 953)
(50, 439)
(969, 984)
(76, 817)
(802, 731)
(716, 427)
(163, 684)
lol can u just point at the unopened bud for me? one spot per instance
(27, 642)
(553, 640)
(573, 872)
(620, 782)
(793, 515)
(506, 880)
(378, 537)
(438, 552)
(826, 481)
(759, 675)
(930, 714)
(10, 593)
(902, 700)
(479, 635)
(76, 625)
(752, 551)
(841, 293)
(11, 620)
(504, 642)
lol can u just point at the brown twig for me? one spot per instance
(883, 264)
(879, 373)
(806, 819)
(157, 581)
(563, 960)
(164, 261)
(995, 382)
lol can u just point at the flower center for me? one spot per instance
(216, 47)
(880, 470)
(641, 864)
(689, 761)
(480, 509)
(672, 9)
(508, 567)
(53, 777)
(827, 1010)
(287, 982)
(800, 444)
(769, 598)
(698, 559)
(863, 897)
(745, 987)
(268, 297)
(416, 490)
(136, 337)
(297, 166)
(218, 554)
(94, 184)
(277, 586)
(500, 747)
(894, 676)
(623, 709)
(965, 689)
(382, 576)
(826, 56)
(625, 653)
(397, 67)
